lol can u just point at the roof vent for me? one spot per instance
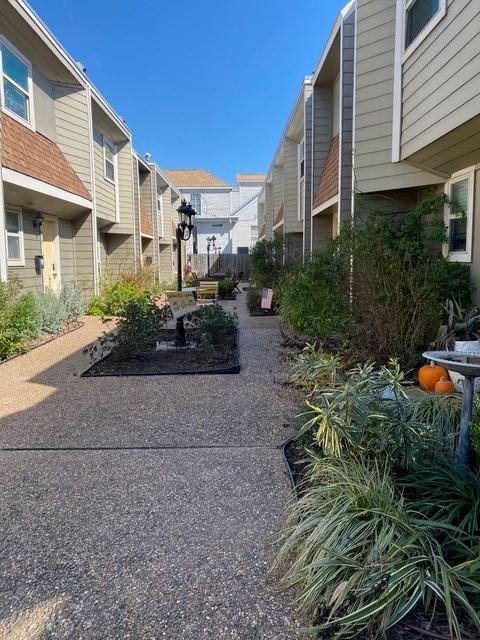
(81, 66)
(148, 157)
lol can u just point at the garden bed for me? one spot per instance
(169, 360)
(45, 339)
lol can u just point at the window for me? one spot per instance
(196, 202)
(419, 14)
(109, 157)
(460, 224)
(160, 210)
(16, 82)
(301, 159)
(14, 232)
(159, 199)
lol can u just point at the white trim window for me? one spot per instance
(159, 199)
(14, 237)
(301, 180)
(459, 217)
(301, 160)
(109, 160)
(421, 16)
(16, 83)
(196, 202)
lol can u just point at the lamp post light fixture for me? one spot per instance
(38, 222)
(185, 225)
(210, 246)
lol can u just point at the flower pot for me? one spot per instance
(465, 346)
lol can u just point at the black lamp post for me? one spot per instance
(210, 245)
(186, 215)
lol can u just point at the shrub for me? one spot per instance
(138, 329)
(226, 287)
(266, 262)
(313, 298)
(363, 557)
(114, 298)
(217, 327)
(74, 302)
(314, 370)
(52, 311)
(19, 319)
(254, 299)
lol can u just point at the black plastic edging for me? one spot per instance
(289, 468)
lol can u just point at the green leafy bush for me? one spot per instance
(74, 302)
(115, 298)
(313, 298)
(254, 299)
(217, 327)
(266, 262)
(226, 287)
(19, 319)
(138, 329)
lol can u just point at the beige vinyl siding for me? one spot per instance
(277, 189)
(125, 187)
(322, 131)
(43, 105)
(475, 266)
(374, 170)
(67, 252)
(136, 205)
(30, 280)
(72, 131)
(104, 190)
(166, 263)
(346, 118)
(83, 247)
(441, 79)
(120, 252)
(322, 230)
(308, 137)
(291, 183)
(269, 213)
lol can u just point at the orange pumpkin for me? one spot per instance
(444, 386)
(429, 375)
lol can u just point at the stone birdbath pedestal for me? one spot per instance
(468, 364)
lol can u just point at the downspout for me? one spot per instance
(96, 275)
(3, 235)
(354, 116)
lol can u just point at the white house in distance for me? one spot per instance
(230, 214)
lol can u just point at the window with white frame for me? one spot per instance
(160, 209)
(196, 202)
(14, 233)
(420, 14)
(459, 215)
(109, 157)
(301, 159)
(16, 85)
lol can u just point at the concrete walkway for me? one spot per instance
(141, 507)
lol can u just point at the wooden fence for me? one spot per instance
(225, 263)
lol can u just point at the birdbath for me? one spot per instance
(468, 364)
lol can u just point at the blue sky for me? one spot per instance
(200, 83)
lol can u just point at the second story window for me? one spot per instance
(159, 200)
(419, 14)
(16, 86)
(109, 157)
(301, 159)
(196, 202)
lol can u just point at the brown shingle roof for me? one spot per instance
(32, 154)
(328, 185)
(250, 177)
(146, 227)
(194, 178)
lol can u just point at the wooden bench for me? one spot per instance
(207, 292)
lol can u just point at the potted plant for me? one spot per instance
(461, 334)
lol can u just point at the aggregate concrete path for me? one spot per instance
(141, 508)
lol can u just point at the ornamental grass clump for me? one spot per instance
(362, 557)
(386, 524)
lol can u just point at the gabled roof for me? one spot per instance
(194, 178)
(250, 177)
(30, 153)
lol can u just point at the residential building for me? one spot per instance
(228, 214)
(77, 204)
(245, 210)
(285, 195)
(390, 114)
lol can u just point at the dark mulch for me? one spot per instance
(202, 359)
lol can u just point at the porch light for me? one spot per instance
(38, 222)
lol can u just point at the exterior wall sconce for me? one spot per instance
(38, 222)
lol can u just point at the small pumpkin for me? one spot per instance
(444, 386)
(430, 374)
